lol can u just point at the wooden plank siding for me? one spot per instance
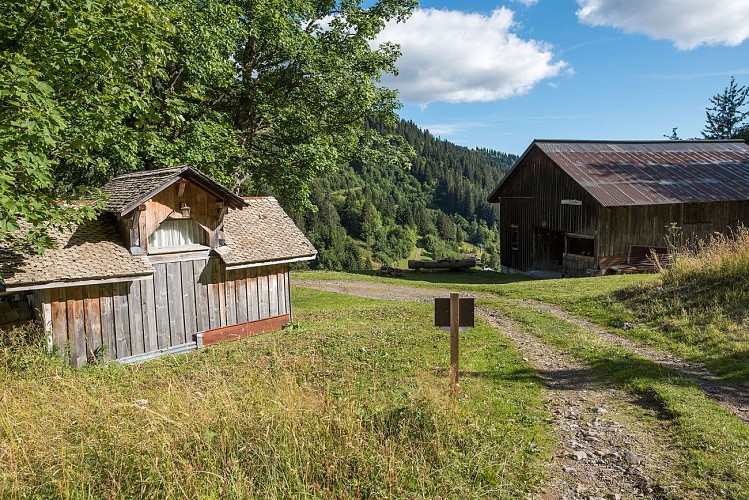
(647, 225)
(532, 197)
(118, 320)
(530, 201)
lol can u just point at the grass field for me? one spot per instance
(351, 402)
(352, 399)
(704, 320)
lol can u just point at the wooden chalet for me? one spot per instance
(581, 207)
(175, 262)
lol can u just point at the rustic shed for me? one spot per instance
(175, 262)
(578, 207)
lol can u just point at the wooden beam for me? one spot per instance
(236, 332)
(181, 187)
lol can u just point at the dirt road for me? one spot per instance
(605, 448)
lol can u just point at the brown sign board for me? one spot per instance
(442, 312)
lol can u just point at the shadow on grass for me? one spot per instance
(470, 277)
(710, 316)
(516, 375)
(733, 368)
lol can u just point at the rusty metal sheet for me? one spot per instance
(658, 172)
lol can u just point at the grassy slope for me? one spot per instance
(713, 442)
(705, 322)
(351, 402)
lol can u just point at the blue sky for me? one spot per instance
(498, 75)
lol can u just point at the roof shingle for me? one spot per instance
(90, 251)
(129, 190)
(262, 232)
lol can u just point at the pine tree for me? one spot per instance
(725, 117)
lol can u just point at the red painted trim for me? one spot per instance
(236, 332)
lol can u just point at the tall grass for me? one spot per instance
(719, 259)
(349, 403)
(24, 352)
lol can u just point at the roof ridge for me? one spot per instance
(148, 173)
(656, 141)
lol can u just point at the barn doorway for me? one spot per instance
(548, 249)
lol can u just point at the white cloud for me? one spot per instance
(527, 3)
(457, 57)
(687, 23)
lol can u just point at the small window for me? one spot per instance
(580, 245)
(515, 236)
(177, 235)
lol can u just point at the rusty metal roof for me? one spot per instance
(621, 173)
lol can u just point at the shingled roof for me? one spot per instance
(128, 191)
(622, 173)
(92, 250)
(261, 233)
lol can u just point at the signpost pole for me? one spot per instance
(454, 332)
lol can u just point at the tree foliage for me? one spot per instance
(70, 73)
(371, 211)
(264, 95)
(724, 120)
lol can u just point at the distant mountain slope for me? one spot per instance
(370, 213)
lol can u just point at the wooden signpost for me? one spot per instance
(457, 314)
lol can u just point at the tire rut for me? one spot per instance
(605, 449)
(734, 398)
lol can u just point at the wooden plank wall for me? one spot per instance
(532, 197)
(620, 227)
(114, 321)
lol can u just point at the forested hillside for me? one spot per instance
(370, 213)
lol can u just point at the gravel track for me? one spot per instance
(733, 398)
(605, 449)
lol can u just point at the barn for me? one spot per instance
(583, 207)
(175, 262)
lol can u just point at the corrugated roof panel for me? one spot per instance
(659, 172)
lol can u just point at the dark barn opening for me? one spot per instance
(549, 249)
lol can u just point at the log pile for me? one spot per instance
(451, 264)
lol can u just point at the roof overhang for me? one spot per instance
(493, 197)
(23, 287)
(246, 265)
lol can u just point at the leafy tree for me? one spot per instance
(446, 186)
(71, 72)
(725, 117)
(264, 95)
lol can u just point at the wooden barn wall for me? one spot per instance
(533, 196)
(516, 212)
(168, 309)
(620, 227)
